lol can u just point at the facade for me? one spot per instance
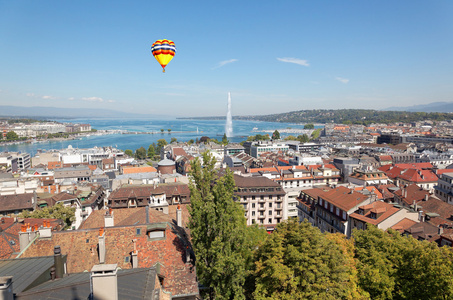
(444, 188)
(368, 177)
(265, 202)
(256, 149)
(330, 209)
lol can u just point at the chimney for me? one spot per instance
(24, 237)
(104, 282)
(426, 197)
(6, 288)
(101, 245)
(108, 219)
(421, 218)
(45, 231)
(440, 229)
(58, 262)
(179, 216)
(135, 255)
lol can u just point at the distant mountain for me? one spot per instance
(41, 112)
(430, 107)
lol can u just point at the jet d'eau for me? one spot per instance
(229, 119)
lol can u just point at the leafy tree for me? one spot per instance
(290, 138)
(162, 130)
(11, 136)
(151, 151)
(218, 231)
(297, 261)
(173, 140)
(160, 144)
(58, 211)
(169, 130)
(391, 266)
(315, 134)
(129, 153)
(276, 135)
(225, 139)
(191, 141)
(309, 126)
(140, 153)
(303, 138)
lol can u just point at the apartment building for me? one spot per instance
(264, 201)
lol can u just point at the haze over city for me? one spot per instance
(273, 57)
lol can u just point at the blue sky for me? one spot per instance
(273, 56)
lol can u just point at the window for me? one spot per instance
(270, 212)
(253, 213)
(338, 211)
(253, 197)
(138, 231)
(270, 204)
(253, 205)
(269, 221)
(344, 215)
(331, 208)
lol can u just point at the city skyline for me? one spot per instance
(273, 58)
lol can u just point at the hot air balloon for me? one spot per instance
(163, 51)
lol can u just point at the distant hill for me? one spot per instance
(344, 116)
(41, 112)
(430, 107)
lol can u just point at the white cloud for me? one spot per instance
(30, 95)
(292, 60)
(111, 101)
(225, 62)
(71, 98)
(342, 80)
(48, 97)
(93, 99)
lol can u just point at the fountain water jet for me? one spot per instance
(229, 119)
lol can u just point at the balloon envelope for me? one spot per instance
(163, 51)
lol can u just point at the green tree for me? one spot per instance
(391, 266)
(151, 151)
(290, 138)
(12, 136)
(297, 261)
(160, 144)
(309, 126)
(162, 130)
(225, 139)
(218, 231)
(140, 153)
(276, 135)
(303, 138)
(315, 134)
(191, 141)
(169, 130)
(129, 153)
(173, 140)
(58, 211)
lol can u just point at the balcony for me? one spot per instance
(262, 208)
(279, 199)
(278, 216)
(278, 207)
(261, 216)
(261, 200)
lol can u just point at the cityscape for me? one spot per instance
(138, 163)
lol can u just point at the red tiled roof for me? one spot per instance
(80, 246)
(378, 207)
(403, 225)
(344, 198)
(418, 176)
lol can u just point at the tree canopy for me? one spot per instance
(221, 240)
(58, 211)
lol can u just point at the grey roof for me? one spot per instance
(132, 284)
(166, 162)
(25, 270)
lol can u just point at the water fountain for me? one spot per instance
(229, 119)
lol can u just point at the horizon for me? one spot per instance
(328, 55)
